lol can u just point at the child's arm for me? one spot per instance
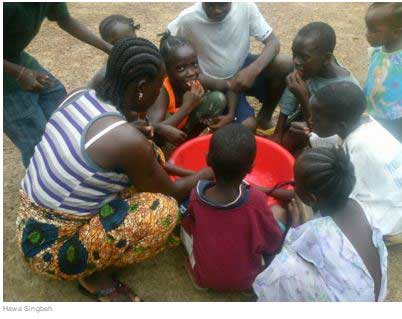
(191, 99)
(212, 84)
(29, 80)
(281, 194)
(298, 87)
(280, 128)
(157, 112)
(98, 77)
(174, 170)
(222, 120)
(81, 32)
(245, 78)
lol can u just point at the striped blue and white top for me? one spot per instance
(61, 175)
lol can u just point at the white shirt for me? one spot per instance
(319, 263)
(222, 46)
(377, 158)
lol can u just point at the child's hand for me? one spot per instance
(31, 80)
(193, 97)
(144, 128)
(295, 212)
(243, 80)
(300, 128)
(297, 86)
(221, 121)
(171, 134)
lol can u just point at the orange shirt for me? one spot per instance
(172, 107)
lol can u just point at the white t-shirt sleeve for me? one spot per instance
(176, 27)
(259, 27)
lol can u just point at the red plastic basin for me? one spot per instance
(273, 164)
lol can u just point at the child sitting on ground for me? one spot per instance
(183, 102)
(337, 110)
(230, 227)
(315, 67)
(383, 86)
(112, 29)
(337, 256)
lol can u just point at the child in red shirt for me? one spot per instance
(229, 228)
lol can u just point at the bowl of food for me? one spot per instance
(273, 164)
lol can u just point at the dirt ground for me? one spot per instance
(162, 278)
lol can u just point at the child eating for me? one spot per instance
(383, 86)
(183, 102)
(315, 67)
(230, 230)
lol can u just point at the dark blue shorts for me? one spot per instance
(258, 90)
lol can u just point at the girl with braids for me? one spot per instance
(112, 29)
(80, 214)
(182, 102)
(337, 256)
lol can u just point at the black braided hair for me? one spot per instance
(326, 173)
(323, 33)
(169, 43)
(106, 25)
(343, 101)
(131, 59)
(395, 19)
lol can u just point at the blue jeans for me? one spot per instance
(259, 90)
(26, 114)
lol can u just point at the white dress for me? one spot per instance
(318, 263)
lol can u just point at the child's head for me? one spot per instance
(232, 152)
(336, 109)
(324, 178)
(384, 23)
(180, 59)
(216, 11)
(116, 27)
(313, 48)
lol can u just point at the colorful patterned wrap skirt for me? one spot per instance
(130, 229)
(69, 247)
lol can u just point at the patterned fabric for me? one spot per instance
(383, 86)
(318, 263)
(61, 176)
(129, 229)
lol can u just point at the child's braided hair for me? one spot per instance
(131, 59)
(107, 23)
(327, 173)
(169, 43)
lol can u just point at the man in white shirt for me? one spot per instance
(220, 33)
(337, 109)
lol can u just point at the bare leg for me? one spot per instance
(251, 123)
(275, 74)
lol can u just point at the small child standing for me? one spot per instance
(383, 86)
(112, 29)
(230, 230)
(315, 67)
